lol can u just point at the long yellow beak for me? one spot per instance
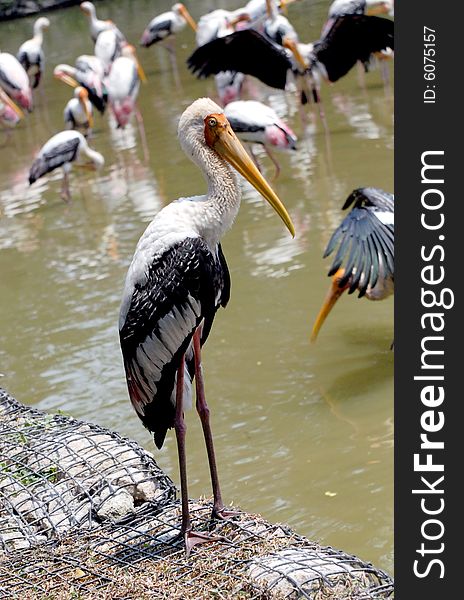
(334, 293)
(188, 17)
(293, 47)
(220, 136)
(140, 70)
(88, 114)
(66, 79)
(7, 100)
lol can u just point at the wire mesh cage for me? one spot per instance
(132, 549)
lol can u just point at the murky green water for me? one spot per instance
(304, 433)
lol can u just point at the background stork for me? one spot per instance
(30, 53)
(164, 26)
(346, 41)
(96, 25)
(177, 280)
(89, 73)
(78, 113)
(257, 123)
(340, 8)
(15, 81)
(365, 250)
(61, 150)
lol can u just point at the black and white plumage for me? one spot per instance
(364, 245)
(177, 280)
(15, 81)
(30, 53)
(88, 72)
(78, 113)
(257, 123)
(348, 40)
(61, 150)
(277, 28)
(166, 25)
(96, 25)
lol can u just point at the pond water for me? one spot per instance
(303, 432)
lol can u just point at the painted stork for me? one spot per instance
(15, 81)
(257, 123)
(108, 48)
(365, 241)
(123, 85)
(10, 114)
(78, 113)
(96, 25)
(30, 53)
(60, 151)
(278, 28)
(166, 25)
(177, 280)
(340, 8)
(348, 40)
(89, 73)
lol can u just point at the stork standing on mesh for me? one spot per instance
(177, 280)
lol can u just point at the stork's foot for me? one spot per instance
(223, 514)
(193, 538)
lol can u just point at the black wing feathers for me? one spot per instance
(351, 38)
(56, 157)
(181, 290)
(244, 51)
(365, 245)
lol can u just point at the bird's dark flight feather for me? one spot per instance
(244, 51)
(363, 241)
(161, 310)
(57, 157)
(351, 38)
(159, 31)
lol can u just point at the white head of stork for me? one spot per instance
(123, 84)
(10, 114)
(78, 113)
(98, 25)
(167, 24)
(61, 150)
(177, 280)
(30, 53)
(365, 251)
(15, 81)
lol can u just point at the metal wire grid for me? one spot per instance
(58, 473)
(141, 555)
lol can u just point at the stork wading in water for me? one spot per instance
(257, 123)
(15, 81)
(61, 150)
(346, 41)
(340, 8)
(164, 27)
(177, 280)
(30, 54)
(88, 72)
(365, 244)
(97, 25)
(78, 113)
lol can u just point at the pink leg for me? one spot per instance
(274, 160)
(143, 137)
(191, 538)
(203, 411)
